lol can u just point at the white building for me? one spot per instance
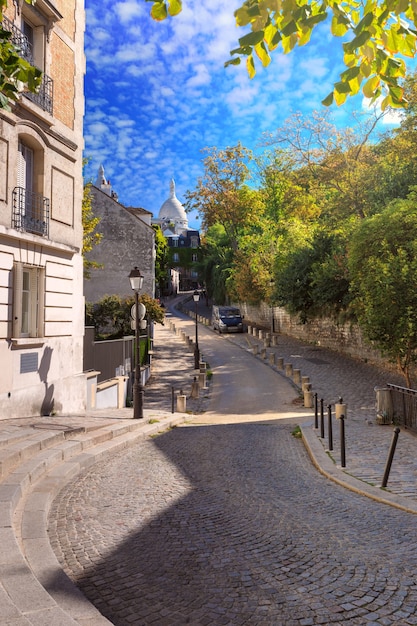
(41, 187)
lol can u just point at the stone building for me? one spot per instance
(41, 187)
(128, 241)
(183, 243)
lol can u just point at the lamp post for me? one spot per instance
(136, 282)
(196, 298)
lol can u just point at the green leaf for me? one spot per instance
(365, 22)
(339, 27)
(159, 11)
(175, 7)
(235, 61)
(262, 54)
(370, 86)
(357, 42)
(328, 100)
(250, 66)
(251, 39)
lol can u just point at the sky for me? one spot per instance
(157, 94)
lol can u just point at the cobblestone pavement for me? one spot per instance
(231, 524)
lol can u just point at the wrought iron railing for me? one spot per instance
(44, 96)
(404, 406)
(30, 212)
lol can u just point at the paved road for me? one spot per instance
(229, 524)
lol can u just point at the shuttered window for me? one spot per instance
(28, 300)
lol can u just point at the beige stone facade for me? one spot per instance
(41, 186)
(128, 241)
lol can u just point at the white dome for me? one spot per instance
(172, 209)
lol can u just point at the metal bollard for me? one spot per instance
(316, 413)
(390, 457)
(342, 441)
(330, 426)
(321, 418)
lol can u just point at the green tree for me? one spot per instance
(216, 264)
(111, 317)
(383, 267)
(16, 74)
(161, 258)
(91, 237)
(377, 35)
(221, 195)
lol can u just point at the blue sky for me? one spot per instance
(158, 93)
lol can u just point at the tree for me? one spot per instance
(383, 267)
(216, 265)
(376, 34)
(111, 316)
(221, 195)
(91, 237)
(161, 258)
(16, 74)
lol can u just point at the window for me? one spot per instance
(30, 208)
(175, 257)
(194, 257)
(28, 300)
(194, 242)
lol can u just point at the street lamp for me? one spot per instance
(196, 298)
(136, 282)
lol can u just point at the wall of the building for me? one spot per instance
(127, 242)
(43, 374)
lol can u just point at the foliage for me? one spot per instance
(220, 195)
(377, 35)
(111, 315)
(16, 74)
(91, 237)
(315, 279)
(216, 263)
(161, 258)
(383, 267)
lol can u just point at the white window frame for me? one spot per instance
(28, 300)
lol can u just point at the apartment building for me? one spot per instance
(41, 186)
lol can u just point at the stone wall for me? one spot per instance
(346, 338)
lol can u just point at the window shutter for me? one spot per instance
(17, 298)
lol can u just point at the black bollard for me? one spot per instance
(321, 419)
(329, 426)
(342, 442)
(390, 457)
(316, 414)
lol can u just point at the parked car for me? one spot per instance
(227, 319)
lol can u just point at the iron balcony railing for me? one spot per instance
(44, 95)
(30, 212)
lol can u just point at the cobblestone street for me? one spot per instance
(184, 529)
(230, 523)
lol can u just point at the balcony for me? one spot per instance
(44, 96)
(30, 212)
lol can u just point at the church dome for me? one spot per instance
(172, 209)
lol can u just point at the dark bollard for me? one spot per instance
(390, 457)
(342, 442)
(329, 426)
(316, 415)
(321, 419)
